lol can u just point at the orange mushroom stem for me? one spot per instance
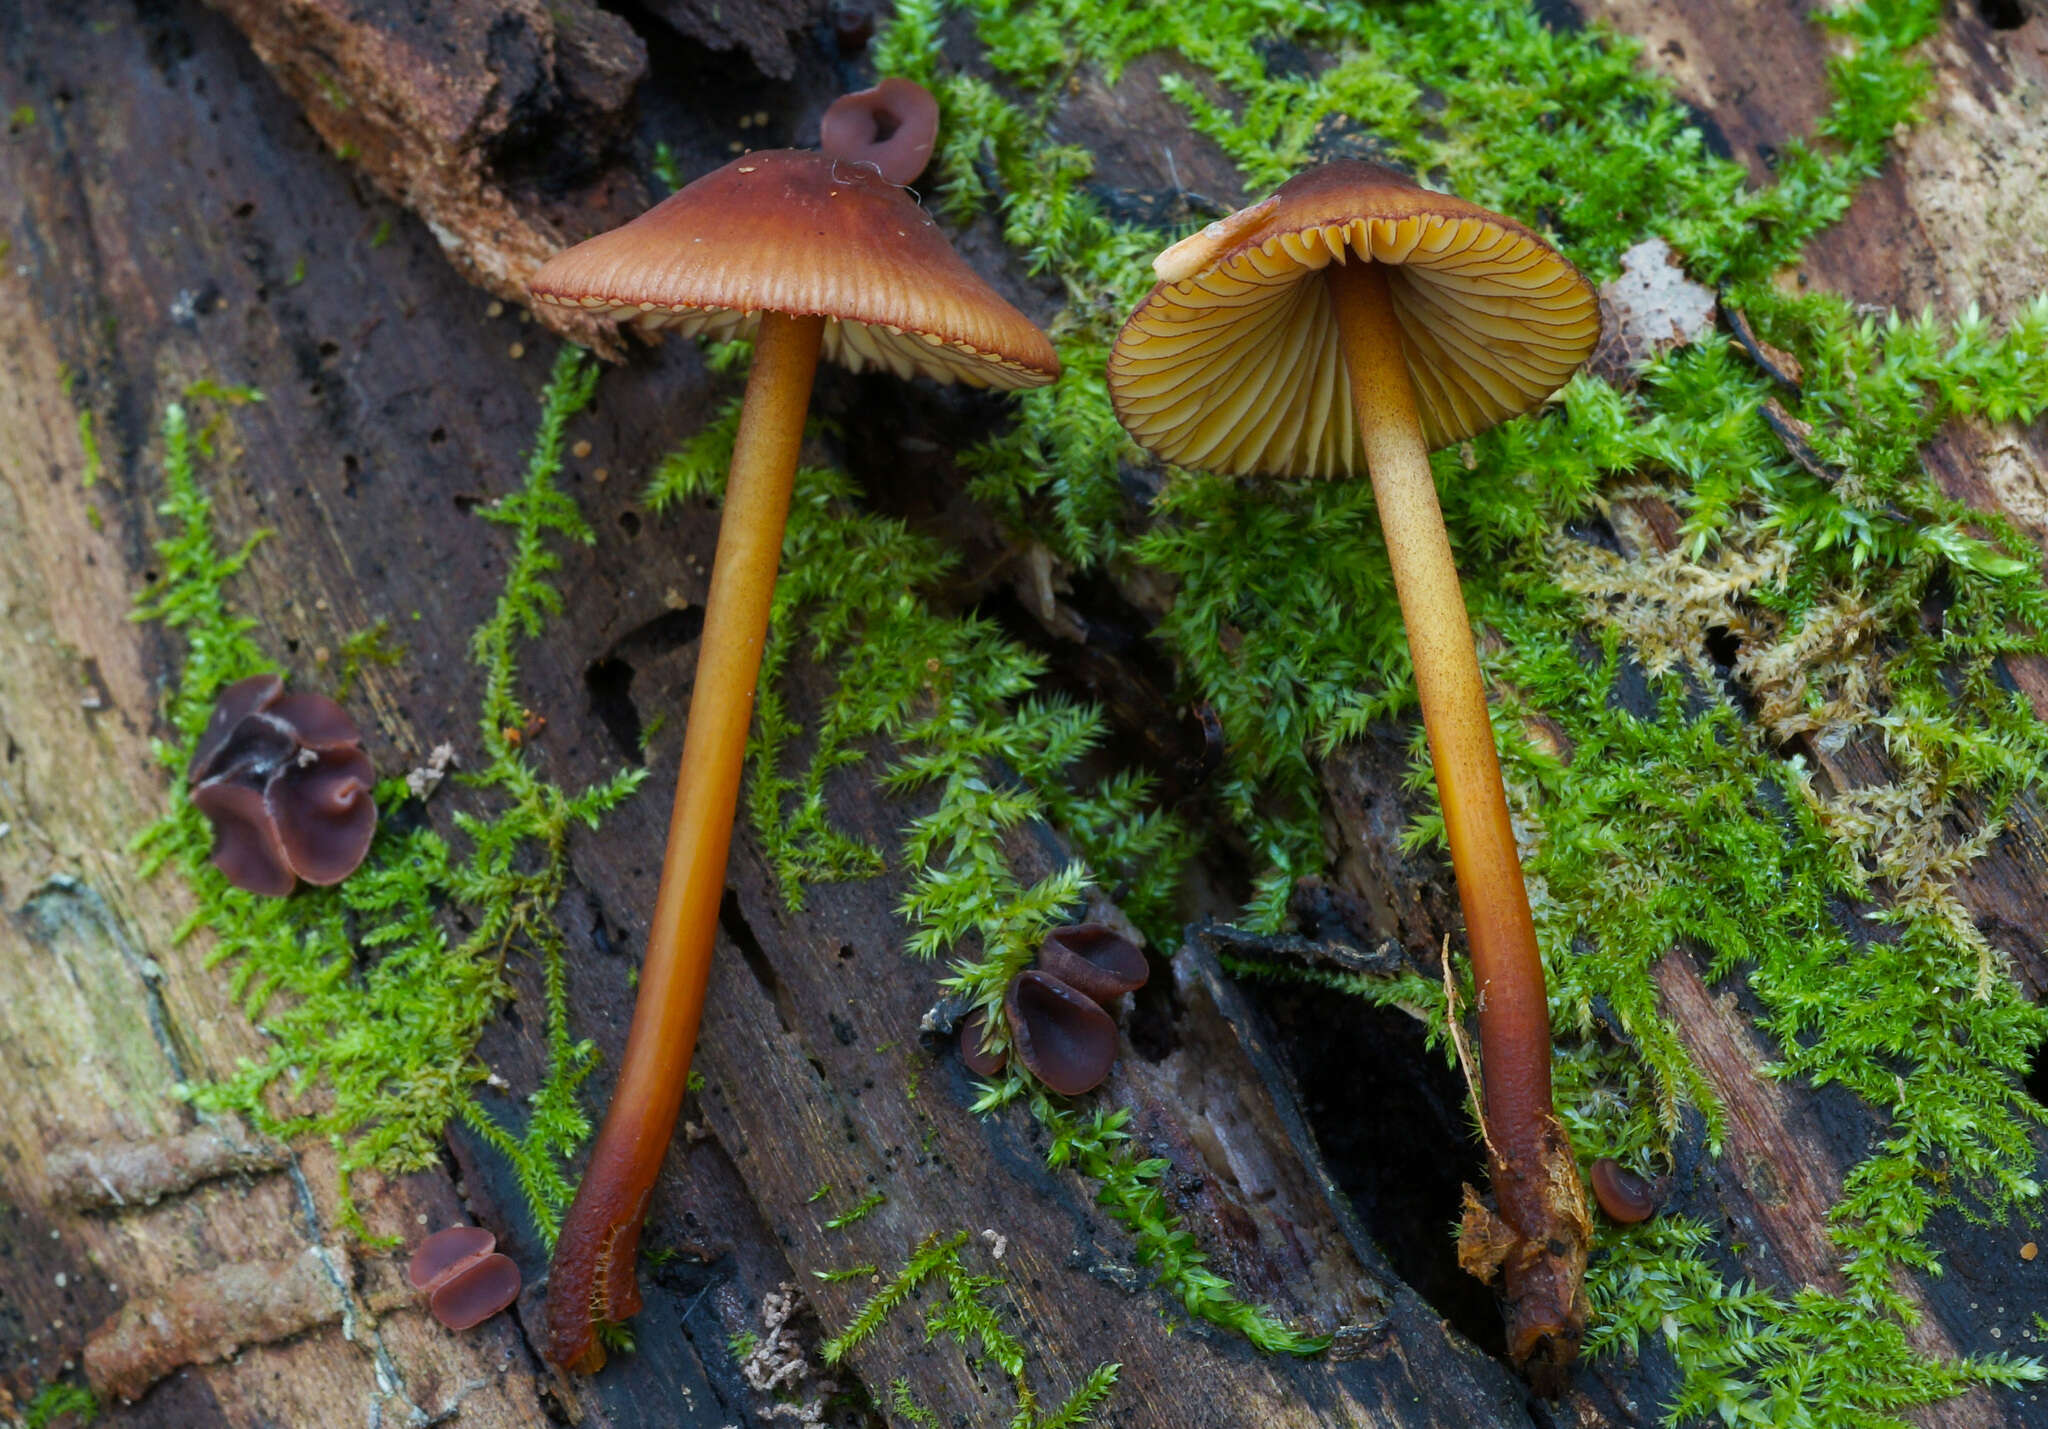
(1437, 320)
(1534, 1178)
(593, 1276)
(812, 256)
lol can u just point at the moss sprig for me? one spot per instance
(967, 1316)
(371, 994)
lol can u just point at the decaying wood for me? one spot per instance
(391, 402)
(440, 110)
(157, 213)
(209, 1315)
(111, 1173)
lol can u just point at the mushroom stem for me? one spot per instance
(592, 1275)
(1535, 1179)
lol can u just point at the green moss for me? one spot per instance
(57, 1399)
(967, 1316)
(905, 1403)
(664, 165)
(89, 443)
(372, 995)
(857, 1211)
(372, 645)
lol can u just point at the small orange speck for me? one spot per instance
(602, 474)
(2029, 1251)
(580, 450)
(516, 351)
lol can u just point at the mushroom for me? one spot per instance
(808, 254)
(285, 783)
(1093, 959)
(464, 1280)
(1437, 319)
(1062, 1036)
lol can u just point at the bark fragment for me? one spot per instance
(113, 1173)
(465, 113)
(208, 1316)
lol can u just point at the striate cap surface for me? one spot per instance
(1232, 362)
(790, 231)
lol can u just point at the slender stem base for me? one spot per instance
(1535, 1179)
(592, 1276)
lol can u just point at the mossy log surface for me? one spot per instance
(170, 215)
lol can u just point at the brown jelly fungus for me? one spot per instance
(464, 1279)
(1062, 1037)
(285, 783)
(1093, 959)
(981, 1059)
(891, 126)
(1622, 1194)
(478, 1292)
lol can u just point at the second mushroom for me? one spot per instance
(808, 254)
(1342, 327)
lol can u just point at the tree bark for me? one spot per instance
(178, 211)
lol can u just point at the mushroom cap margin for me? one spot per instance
(790, 231)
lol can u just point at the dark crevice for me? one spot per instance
(610, 683)
(1560, 15)
(741, 935)
(609, 678)
(1153, 1012)
(1391, 1119)
(1723, 646)
(2002, 14)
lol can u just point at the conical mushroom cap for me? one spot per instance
(790, 231)
(1232, 362)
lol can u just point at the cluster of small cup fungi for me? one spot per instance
(285, 783)
(1061, 1012)
(1341, 327)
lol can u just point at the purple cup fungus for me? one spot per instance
(981, 1059)
(1093, 959)
(285, 783)
(1622, 1194)
(1062, 1037)
(891, 126)
(464, 1279)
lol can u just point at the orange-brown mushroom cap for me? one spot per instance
(1232, 362)
(789, 231)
